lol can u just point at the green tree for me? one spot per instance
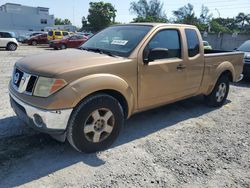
(101, 15)
(151, 11)
(67, 22)
(217, 27)
(59, 21)
(186, 15)
(205, 16)
(229, 23)
(242, 19)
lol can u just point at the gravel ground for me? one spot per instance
(185, 144)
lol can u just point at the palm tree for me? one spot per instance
(242, 19)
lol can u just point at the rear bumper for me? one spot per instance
(240, 78)
(51, 122)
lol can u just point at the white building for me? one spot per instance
(21, 19)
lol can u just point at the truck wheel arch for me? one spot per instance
(224, 68)
(108, 84)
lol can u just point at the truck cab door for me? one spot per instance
(195, 59)
(163, 78)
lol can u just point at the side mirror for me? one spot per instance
(155, 53)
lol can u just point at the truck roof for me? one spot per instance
(161, 24)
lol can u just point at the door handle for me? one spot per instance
(181, 67)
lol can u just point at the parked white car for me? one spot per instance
(8, 41)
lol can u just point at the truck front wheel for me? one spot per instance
(95, 123)
(219, 94)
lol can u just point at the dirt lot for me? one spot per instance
(185, 144)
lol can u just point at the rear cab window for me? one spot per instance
(193, 42)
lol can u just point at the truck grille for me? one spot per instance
(23, 82)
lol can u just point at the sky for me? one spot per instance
(75, 9)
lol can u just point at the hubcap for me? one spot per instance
(99, 125)
(12, 47)
(221, 93)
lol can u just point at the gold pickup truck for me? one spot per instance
(85, 94)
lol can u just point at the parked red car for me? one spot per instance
(37, 39)
(68, 42)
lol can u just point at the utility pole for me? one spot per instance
(218, 12)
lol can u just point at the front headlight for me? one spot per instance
(47, 86)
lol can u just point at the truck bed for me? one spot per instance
(214, 58)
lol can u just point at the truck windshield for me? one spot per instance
(245, 47)
(118, 40)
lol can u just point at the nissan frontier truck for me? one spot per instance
(84, 95)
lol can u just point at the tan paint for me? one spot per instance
(143, 86)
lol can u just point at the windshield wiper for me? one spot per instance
(98, 50)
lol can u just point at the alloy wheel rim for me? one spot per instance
(221, 93)
(12, 47)
(99, 125)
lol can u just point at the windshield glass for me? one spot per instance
(118, 40)
(245, 47)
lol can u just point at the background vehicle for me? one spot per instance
(245, 47)
(68, 42)
(207, 46)
(87, 34)
(56, 34)
(23, 38)
(8, 41)
(37, 39)
(122, 70)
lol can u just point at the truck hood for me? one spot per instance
(56, 63)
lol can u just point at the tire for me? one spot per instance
(34, 43)
(87, 126)
(63, 46)
(11, 47)
(220, 92)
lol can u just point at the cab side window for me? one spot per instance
(192, 42)
(168, 39)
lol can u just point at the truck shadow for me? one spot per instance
(25, 158)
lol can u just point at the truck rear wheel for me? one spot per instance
(95, 123)
(219, 94)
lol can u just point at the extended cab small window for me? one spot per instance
(168, 39)
(192, 42)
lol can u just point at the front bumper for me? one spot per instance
(51, 122)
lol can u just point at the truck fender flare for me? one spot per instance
(90, 84)
(224, 67)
